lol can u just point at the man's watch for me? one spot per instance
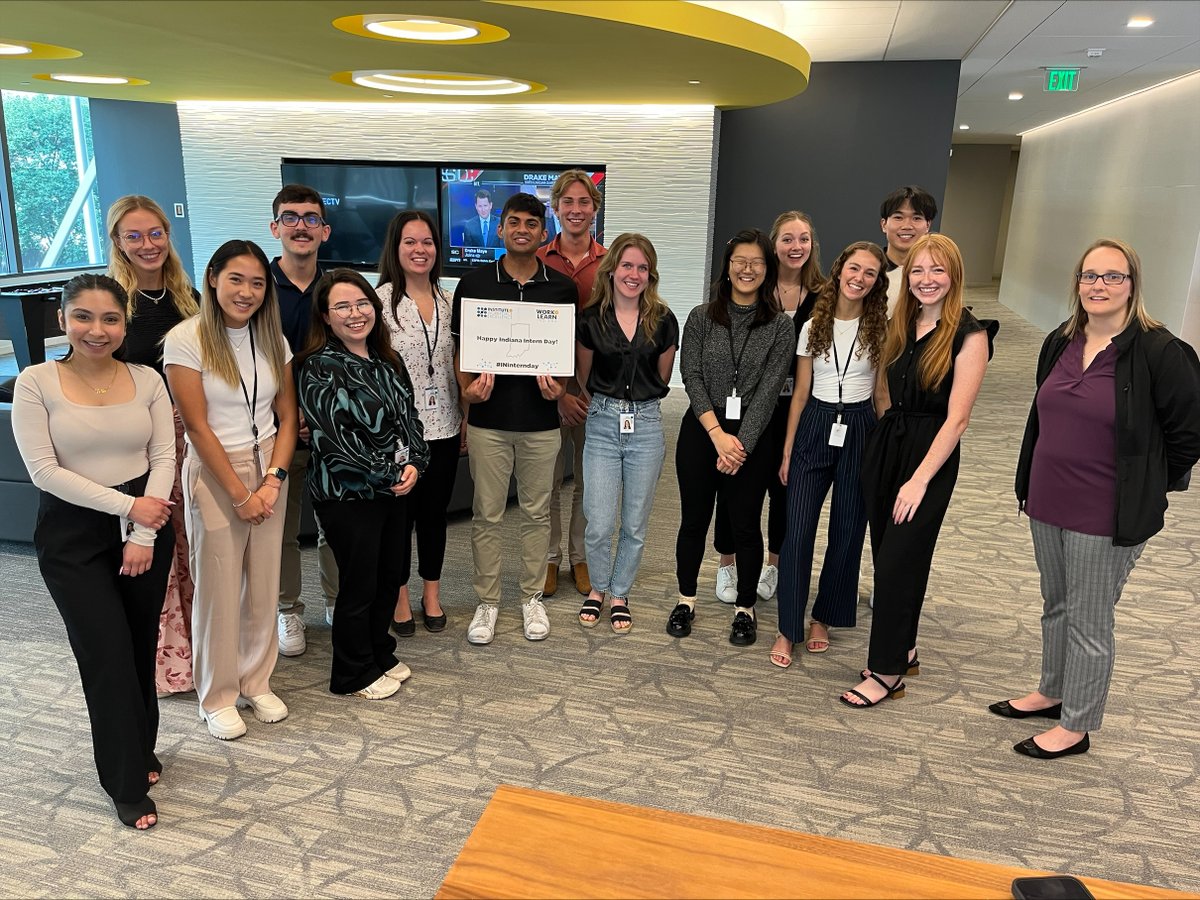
(279, 473)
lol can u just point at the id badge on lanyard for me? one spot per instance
(733, 405)
(627, 423)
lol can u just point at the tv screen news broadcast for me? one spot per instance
(360, 200)
(473, 196)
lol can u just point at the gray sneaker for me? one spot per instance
(291, 635)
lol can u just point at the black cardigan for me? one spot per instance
(1158, 425)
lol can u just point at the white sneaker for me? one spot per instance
(871, 600)
(225, 724)
(291, 635)
(483, 625)
(267, 707)
(727, 583)
(399, 672)
(537, 624)
(329, 616)
(768, 582)
(381, 688)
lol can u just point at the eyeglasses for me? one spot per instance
(755, 265)
(345, 310)
(156, 236)
(291, 219)
(1113, 278)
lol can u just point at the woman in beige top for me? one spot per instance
(98, 439)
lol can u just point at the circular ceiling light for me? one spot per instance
(438, 84)
(83, 78)
(7, 49)
(420, 29)
(15, 49)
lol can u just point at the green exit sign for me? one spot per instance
(1062, 79)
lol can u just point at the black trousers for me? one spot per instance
(112, 624)
(427, 503)
(370, 541)
(699, 485)
(777, 502)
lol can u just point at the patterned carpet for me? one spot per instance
(351, 798)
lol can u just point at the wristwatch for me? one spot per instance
(279, 473)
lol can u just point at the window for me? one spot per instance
(52, 173)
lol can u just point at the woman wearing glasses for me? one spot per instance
(1114, 426)
(368, 449)
(417, 314)
(142, 259)
(230, 372)
(737, 350)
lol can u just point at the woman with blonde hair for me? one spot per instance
(625, 349)
(929, 375)
(230, 372)
(142, 259)
(1114, 426)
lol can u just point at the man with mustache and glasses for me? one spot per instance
(298, 223)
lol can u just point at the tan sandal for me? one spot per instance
(815, 644)
(780, 658)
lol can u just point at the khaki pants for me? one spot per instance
(235, 567)
(575, 548)
(289, 563)
(495, 456)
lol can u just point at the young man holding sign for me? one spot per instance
(513, 421)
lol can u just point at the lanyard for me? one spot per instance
(839, 369)
(437, 327)
(737, 360)
(251, 404)
(631, 353)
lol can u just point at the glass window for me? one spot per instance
(53, 172)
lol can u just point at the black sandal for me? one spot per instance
(591, 607)
(679, 624)
(619, 615)
(129, 813)
(894, 692)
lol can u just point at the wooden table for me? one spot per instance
(536, 844)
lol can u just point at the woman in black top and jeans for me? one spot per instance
(737, 350)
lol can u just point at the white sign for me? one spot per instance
(514, 338)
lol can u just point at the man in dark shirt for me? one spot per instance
(298, 222)
(906, 214)
(513, 424)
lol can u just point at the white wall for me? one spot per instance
(974, 205)
(1128, 170)
(661, 164)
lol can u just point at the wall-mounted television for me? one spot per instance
(361, 197)
(472, 196)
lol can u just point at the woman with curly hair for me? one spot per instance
(829, 419)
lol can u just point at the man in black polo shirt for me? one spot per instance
(513, 424)
(298, 221)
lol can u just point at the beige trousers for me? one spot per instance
(235, 567)
(575, 548)
(289, 566)
(494, 457)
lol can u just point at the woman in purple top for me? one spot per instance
(1115, 425)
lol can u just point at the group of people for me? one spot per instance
(174, 443)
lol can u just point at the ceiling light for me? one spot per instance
(1015, 95)
(693, 82)
(1139, 22)
(964, 127)
(443, 84)
(14, 49)
(88, 79)
(419, 29)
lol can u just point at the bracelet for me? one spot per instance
(249, 494)
(714, 428)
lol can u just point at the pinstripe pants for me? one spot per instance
(1082, 579)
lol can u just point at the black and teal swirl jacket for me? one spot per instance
(360, 412)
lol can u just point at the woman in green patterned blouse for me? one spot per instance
(368, 449)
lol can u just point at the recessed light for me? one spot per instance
(14, 49)
(964, 127)
(88, 79)
(443, 84)
(419, 29)
(1015, 95)
(693, 82)
(1139, 22)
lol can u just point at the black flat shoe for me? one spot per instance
(744, 630)
(1006, 709)
(1030, 748)
(129, 813)
(433, 623)
(679, 624)
(407, 628)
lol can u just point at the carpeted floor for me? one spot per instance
(374, 799)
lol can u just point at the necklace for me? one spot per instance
(239, 344)
(843, 327)
(93, 388)
(148, 295)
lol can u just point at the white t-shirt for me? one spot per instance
(228, 410)
(859, 381)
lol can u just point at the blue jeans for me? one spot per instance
(620, 472)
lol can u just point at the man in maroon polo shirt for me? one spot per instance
(576, 254)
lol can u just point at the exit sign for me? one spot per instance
(1062, 79)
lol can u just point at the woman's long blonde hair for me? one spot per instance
(1137, 309)
(216, 353)
(936, 360)
(651, 306)
(810, 272)
(121, 269)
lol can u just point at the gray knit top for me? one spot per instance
(706, 364)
